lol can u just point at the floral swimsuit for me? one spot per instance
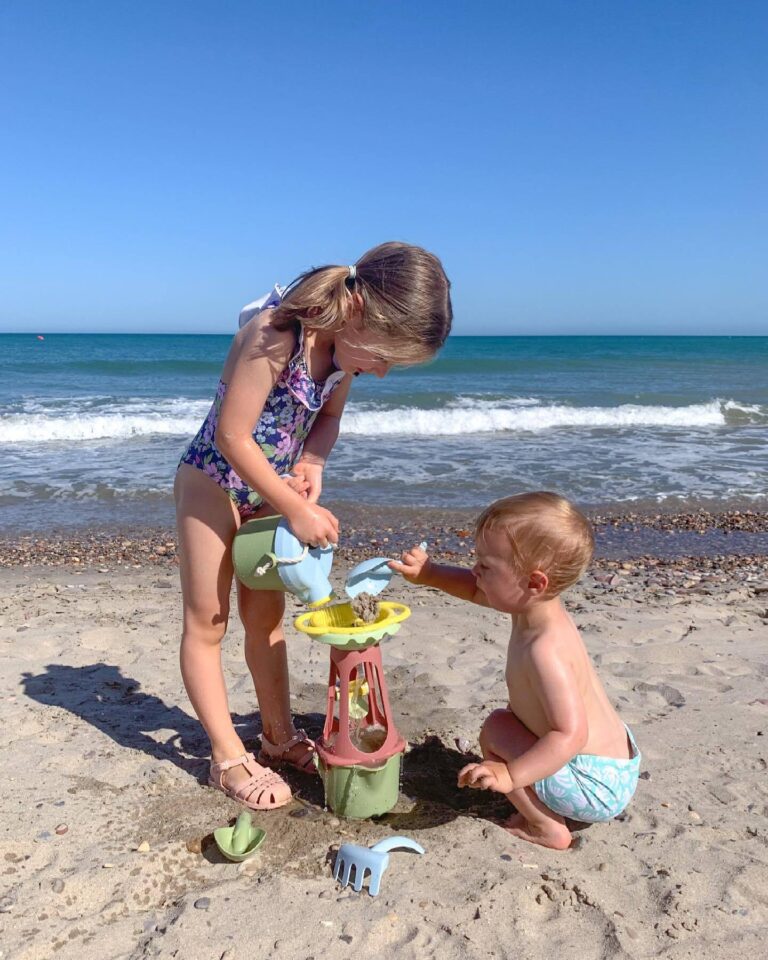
(282, 428)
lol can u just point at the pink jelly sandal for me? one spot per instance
(264, 790)
(277, 753)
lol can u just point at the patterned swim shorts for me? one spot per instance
(591, 788)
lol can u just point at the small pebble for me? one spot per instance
(194, 846)
(107, 866)
(58, 885)
(334, 822)
(62, 829)
(6, 904)
(202, 903)
(143, 847)
(462, 744)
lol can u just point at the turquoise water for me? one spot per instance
(91, 426)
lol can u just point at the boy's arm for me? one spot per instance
(553, 683)
(416, 567)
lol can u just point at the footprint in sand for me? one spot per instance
(670, 695)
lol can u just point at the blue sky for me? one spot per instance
(580, 167)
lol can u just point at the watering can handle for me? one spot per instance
(272, 561)
(393, 843)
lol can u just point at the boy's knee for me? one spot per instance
(494, 723)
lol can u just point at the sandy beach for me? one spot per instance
(106, 838)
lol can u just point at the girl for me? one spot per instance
(261, 450)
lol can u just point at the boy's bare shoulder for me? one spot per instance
(552, 641)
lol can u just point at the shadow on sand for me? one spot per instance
(116, 705)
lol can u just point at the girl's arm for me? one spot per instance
(321, 440)
(416, 567)
(263, 355)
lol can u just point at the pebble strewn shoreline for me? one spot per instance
(106, 550)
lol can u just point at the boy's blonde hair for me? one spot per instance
(546, 532)
(405, 293)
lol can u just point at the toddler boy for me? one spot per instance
(559, 749)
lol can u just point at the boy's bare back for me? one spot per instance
(549, 674)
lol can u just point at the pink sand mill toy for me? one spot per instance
(360, 751)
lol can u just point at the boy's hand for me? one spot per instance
(488, 775)
(413, 565)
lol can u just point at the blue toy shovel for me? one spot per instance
(374, 859)
(371, 576)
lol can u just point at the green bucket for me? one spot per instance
(359, 792)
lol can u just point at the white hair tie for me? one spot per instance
(352, 272)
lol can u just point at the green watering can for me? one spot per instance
(267, 556)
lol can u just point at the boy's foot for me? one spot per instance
(556, 836)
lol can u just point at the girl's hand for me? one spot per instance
(488, 775)
(298, 483)
(312, 475)
(414, 565)
(314, 525)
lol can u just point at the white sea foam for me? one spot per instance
(489, 417)
(90, 419)
(45, 422)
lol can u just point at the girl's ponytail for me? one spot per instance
(318, 299)
(405, 294)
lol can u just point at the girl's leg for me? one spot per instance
(207, 521)
(505, 738)
(265, 653)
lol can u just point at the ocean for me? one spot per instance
(92, 426)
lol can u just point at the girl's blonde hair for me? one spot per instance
(546, 532)
(405, 294)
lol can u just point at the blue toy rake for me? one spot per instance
(374, 859)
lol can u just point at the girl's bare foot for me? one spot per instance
(556, 836)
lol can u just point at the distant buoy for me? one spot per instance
(40, 337)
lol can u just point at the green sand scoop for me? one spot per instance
(241, 841)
